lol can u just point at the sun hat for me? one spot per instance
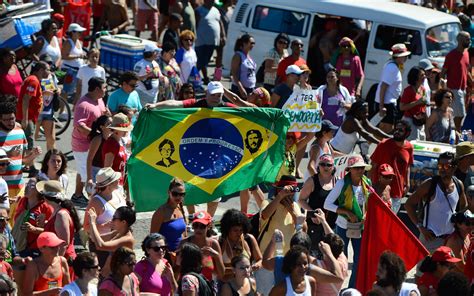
(426, 64)
(305, 68)
(399, 50)
(49, 239)
(151, 47)
(75, 28)
(386, 170)
(444, 254)
(464, 149)
(356, 161)
(326, 158)
(120, 122)
(202, 217)
(3, 156)
(51, 188)
(215, 87)
(293, 69)
(106, 176)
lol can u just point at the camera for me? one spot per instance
(295, 189)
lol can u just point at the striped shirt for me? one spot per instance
(8, 141)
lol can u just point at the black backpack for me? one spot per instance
(255, 223)
(425, 205)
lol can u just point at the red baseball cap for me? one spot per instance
(202, 217)
(386, 170)
(49, 239)
(444, 254)
(58, 17)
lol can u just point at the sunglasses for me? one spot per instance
(159, 248)
(199, 226)
(326, 165)
(93, 267)
(282, 42)
(253, 43)
(387, 177)
(131, 263)
(298, 44)
(445, 166)
(176, 194)
(4, 219)
(188, 39)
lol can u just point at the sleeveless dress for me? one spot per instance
(44, 283)
(52, 49)
(172, 230)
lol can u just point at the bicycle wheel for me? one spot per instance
(62, 117)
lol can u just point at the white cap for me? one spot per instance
(151, 47)
(293, 69)
(75, 28)
(215, 87)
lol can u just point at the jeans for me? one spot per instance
(356, 249)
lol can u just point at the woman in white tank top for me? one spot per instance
(47, 42)
(73, 58)
(297, 283)
(86, 267)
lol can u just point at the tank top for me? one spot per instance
(10, 84)
(97, 161)
(344, 142)
(73, 289)
(316, 200)
(44, 283)
(52, 49)
(441, 209)
(110, 207)
(70, 252)
(441, 129)
(247, 70)
(291, 292)
(226, 258)
(75, 51)
(236, 293)
(172, 230)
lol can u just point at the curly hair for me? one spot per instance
(396, 270)
(231, 218)
(7, 104)
(291, 258)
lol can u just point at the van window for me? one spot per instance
(280, 20)
(440, 40)
(387, 36)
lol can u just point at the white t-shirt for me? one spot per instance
(148, 95)
(85, 73)
(4, 190)
(330, 202)
(392, 76)
(189, 60)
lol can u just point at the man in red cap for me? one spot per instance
(382, 186)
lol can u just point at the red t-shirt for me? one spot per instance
(6, 268)
(32, 87)
(40, 208)
(11, 84)
(457, 66)
(120, 155)
(428, 280)
(409, 95)
(350, 69)
(290, 60)
(400, 158)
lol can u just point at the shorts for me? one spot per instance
(147, 18)
(70, 80)
(204, 54)
(45, 117)
(391, 115)
(459, 106)
(81, 164)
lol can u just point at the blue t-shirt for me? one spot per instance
(120, 97)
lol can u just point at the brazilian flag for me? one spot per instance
(216, 151)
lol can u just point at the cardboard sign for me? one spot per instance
(303, 108)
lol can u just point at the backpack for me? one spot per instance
(205, 286)
(255, 223)
(425, 205)
(260, 75)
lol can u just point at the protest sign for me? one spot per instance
(303, 110)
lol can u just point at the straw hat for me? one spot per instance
(120, 122)
(464, 149)
(51, 188)
(106, 176)
(356, 161)
(399, 50)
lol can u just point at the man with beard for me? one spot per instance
(398, 153)
(391, 274)
(441, 196)
(457, 70)
(253, 140)
(13, 141)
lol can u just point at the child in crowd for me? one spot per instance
(382, 187)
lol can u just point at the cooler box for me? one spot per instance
(425, 164)
(16, 32)
(120, 53)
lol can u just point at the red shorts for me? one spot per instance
(147, 17)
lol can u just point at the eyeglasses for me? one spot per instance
(199, 226)
(4, 219)
(445, 166)
(327, 165)
(159, 248)
(176, 194)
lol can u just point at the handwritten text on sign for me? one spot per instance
(304, 111)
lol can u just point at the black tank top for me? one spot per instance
(316, 200)
(235, 293)
(97, 161)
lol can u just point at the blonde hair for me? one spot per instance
(186, 34)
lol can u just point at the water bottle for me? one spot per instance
(452, 137)
(469, 135)
(278, 242)
(463, 136)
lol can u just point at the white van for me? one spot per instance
(429, 33)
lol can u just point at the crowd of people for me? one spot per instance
(298, 241)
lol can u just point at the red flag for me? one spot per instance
(78, 12)
(383, 230)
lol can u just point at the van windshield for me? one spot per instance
(440, 40)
